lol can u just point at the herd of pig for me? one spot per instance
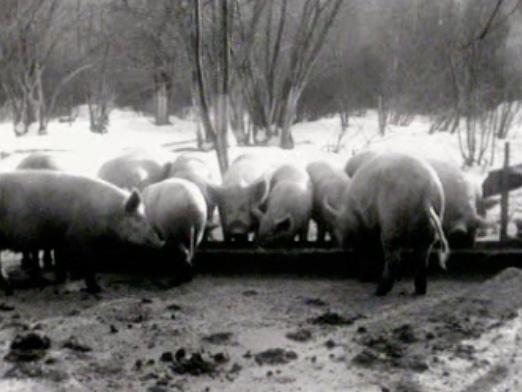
(382, 204)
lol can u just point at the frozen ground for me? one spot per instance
(248, 333)
(267, 334)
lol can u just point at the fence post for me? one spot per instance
(504, 201)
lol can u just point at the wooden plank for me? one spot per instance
(504, 202)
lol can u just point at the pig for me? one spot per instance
(75, 215)
(245, 188)
(465, 207)
(134, 169)
(397, 200)
(196, 171)
(461, 219)
(330, 182)
(355, 162)
(288, 208)
(39, 161)
(177, 210)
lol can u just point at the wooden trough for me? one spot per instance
(316, 259)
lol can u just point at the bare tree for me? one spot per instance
(31, 32)
(275, 73)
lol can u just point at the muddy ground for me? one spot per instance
(264, 334)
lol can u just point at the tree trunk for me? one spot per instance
(162, 103)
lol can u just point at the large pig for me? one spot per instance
(245, 187)
(461, 219)
(330, 182)
(135, 169)
(288, 208)
(39, 161)
(75, 215)
(196, 171)
(396, 200)
(177, 210)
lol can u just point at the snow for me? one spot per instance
(314, 140)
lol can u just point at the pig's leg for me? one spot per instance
(47, 259)
(392, 257)
(4, 284)
(421, 265)
(61, 255)
(303, 233)
(86, 257)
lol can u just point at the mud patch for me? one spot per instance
(315, 302)
(275, 356)
(28, 347)
(332, 318)
(195, 365)
(300, 335)
(220, 338)
(74, 344)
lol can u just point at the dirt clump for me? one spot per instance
(195, 365)
(28, 347)
(275, 356)
(6, 307)
(315, 302)
(219, 338)
(300, 335)
(75, 345)
(332, 318)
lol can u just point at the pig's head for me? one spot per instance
(238, 203)
(344, 222)
(133, 225)
(277, 223)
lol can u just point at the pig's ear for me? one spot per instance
(331, 213)
(167, 170)
(260, 190)
(133, 201)
(214, 193)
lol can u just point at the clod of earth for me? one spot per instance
(365, 358)
(332, 318)
(167, 357)
(405, 334)
(330, 344)
(29, 347)
(195, 365)
(174, 307)
(249, 293)
(180, 354)
(218, 338)
(275, 356)
(6, 308)
(315, 302)
(221, 358)
(300, 335)
(236, 368)
(73, 344)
